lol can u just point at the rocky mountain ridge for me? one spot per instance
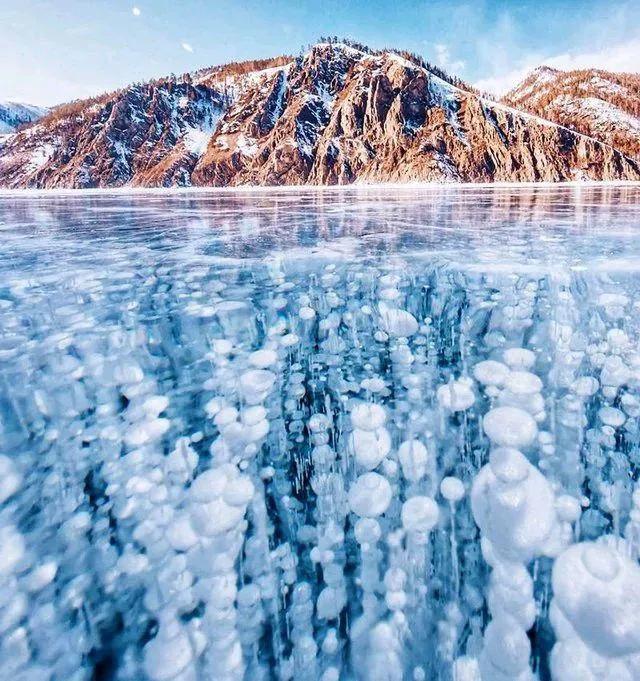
(601, 104)
(335, 115)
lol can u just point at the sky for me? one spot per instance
(58, 50)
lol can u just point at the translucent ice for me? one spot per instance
(292, 436)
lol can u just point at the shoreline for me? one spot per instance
(293, 189)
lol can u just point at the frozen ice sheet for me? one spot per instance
(368, 434)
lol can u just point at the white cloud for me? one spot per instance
(187, 47)
(444, 60)
(136, 11)
(623, 56)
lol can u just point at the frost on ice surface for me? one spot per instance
(371, 436)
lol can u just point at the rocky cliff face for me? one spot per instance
(597, 103)
(337, 115)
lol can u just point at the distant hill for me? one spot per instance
(597, 103)
(14, 114)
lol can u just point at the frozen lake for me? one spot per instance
(372, 435)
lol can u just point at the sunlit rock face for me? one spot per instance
(237, 442)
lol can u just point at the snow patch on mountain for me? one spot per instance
(247, 146)
(196, 138)
(40, 157)
(605, 86)
(601, 112)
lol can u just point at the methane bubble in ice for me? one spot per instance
(510, 427)
(370, 495)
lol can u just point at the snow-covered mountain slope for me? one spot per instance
(598, 103)
(13, 115)
(336, 115)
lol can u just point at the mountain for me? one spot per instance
(13, 115)
(338, 114)
(597, 103)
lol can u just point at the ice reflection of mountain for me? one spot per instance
(361, 434)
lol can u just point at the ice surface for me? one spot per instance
(359, 434)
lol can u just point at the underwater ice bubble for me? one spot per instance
(519, 358)
(10, 478)
(144, 432)
(568, 508)
(617, 339)
(397, 323)
(211, 483)
(465, 668)
(330, 603)
(370, 446)
(213, 406)
(253, 435)
(128, 372)
(168, 654)
(389, 279)
(630, 404)
(614, 372)
(611, 416)
(420, 514)
(514, 506)
(389, 294)
(452, 489)
(597, 589)
(222, 346)
(41, 576)
(319, 423)
(330, 674)
(490, 372)
(523, 383)
(263, 359)
(510, 427)
(13, 549)
(413, 457)
(374, 384)
(253, 415)
(255, 385)
(370, 495)
(330, 644)
(306, 313)
(367, 416)
(511, 593)
(456, 395)
(506, 652)
(585, 386)
(180, 534)
(154, 405)
(367, 531)
(613, 304)
(225, 416)
(395, 579)
(239, 491)
(132, 563)
(289, 340)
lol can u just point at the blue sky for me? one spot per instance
(57, 50)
